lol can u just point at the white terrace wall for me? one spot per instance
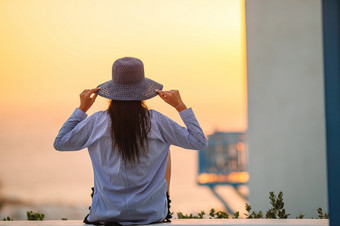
(286, 131)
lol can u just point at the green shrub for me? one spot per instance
(301, 216)
(218, 215)
(251, 215)
(321, 214)
(31, 216)
(277, 210)
(200, 215)
(7, 219)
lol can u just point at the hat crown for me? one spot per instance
(128, 70)
(128, 82)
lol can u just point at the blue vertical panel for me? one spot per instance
(331, 30)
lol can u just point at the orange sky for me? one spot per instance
(52, 50)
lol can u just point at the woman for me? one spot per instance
(129, 145)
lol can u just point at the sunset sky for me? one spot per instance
(52, 50)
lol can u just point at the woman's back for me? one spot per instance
(130, 190)
(129, 149)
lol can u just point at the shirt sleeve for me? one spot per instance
(75, 133)
(190, 137)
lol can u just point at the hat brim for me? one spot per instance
(129, 92)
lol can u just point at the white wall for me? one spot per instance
(286, 130)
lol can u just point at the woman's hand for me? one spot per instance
(173, 98)
(87, 98)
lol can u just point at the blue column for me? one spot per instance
(331, 36)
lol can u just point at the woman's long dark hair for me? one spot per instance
(130, 125)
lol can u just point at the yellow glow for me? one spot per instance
(52, 50)
(240, 146)
(233, 177)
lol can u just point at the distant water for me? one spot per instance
(31, 171)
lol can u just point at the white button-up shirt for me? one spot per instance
(129, 193)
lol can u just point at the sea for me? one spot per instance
(35, 177)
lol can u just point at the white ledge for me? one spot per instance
(184, 222)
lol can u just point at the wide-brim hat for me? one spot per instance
(129, 82)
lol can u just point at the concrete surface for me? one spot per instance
(184, 222)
